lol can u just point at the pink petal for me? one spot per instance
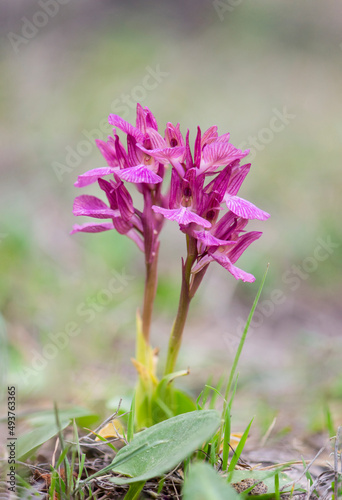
(175, 189)
(141, 119)
(139, 174)
(224, 137)
(133, 235)
(188, 155)
(224, 226)
(221, 153)
(238, 178)
(209, 240)
(93, 175)
(182, 215)
(244, 208)
(108, 151)
(157, 141)
(219, 184)
(173, 135)
(151, 121)
(198, 148)
(134, 155)
(242, 244)
(126, 127)
(90, 227)
(163, 155)
(209, 136)
(238, 273)
(121, 154)
(93, 207)
(204, 261)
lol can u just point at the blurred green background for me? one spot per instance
(269, 73)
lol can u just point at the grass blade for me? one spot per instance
(239, 450)
(226, 439)
(130, 424)
(276, 486)
(216, 393)
(307, 473)
(134, 491)
(161, 485)
(244, 335)
(206, 391)
(238, 353)
(63, 457)
(329, 422)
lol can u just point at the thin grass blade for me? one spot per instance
(134, 491)
(239, 450)
(130, 424)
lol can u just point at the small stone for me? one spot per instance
(243, 485)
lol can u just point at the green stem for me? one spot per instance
(149, 295)
(151, 262)
(183, 308)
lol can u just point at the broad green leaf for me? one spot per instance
(174, 402)
(28, 442)
(168, 443)
(204, 483)
(183, 402)
(44, 417)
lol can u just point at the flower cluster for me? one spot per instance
(203, 183)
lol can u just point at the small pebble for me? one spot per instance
(243, 485)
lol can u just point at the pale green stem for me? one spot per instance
(149, 295)
(151, 263)
(183, 308)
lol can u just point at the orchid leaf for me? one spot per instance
(183, 402)
(203, 483)
(167, 379)
(27, 443)
(38, 418)
(166, 444)
(44, 423)
(173, 402)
